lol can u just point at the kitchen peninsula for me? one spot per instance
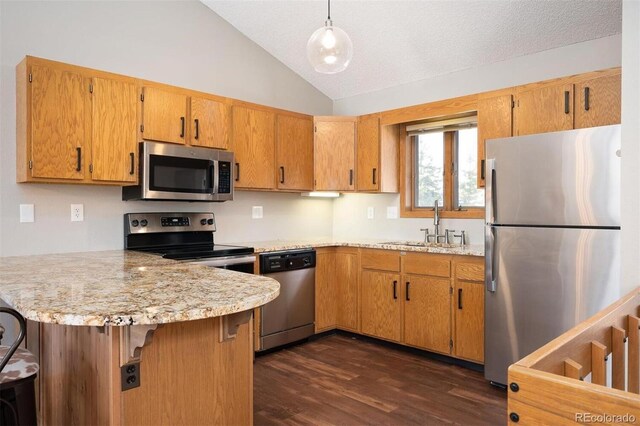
(130, 338)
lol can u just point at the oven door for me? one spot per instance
(243, 263)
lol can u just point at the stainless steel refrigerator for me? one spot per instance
(552, 238)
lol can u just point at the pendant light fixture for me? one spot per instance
(329, 48)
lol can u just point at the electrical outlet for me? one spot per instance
(392, 212)
(256, 212)
(370, 213)
(77, 212)
(27, 213)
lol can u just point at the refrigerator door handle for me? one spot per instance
(489, 265)
(490, 191)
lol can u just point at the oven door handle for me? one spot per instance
(224, 261)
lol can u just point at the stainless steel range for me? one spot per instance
(186, 237)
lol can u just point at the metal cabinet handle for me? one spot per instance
(79, 159)
(406, 293)
(197, 123)
(566, 102)
(374, 175)
(350, 177)
(482, 172)
(459, 298)
(281, 174)
(182, 127)
(395, 289)
(586, 98)
(132, 166)
(237, 172)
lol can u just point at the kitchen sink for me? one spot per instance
(419, 244)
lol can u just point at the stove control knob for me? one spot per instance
(203, 222)
(135, 223)
(210, 221)
(144, 222)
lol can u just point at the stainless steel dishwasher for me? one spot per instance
(291, 316)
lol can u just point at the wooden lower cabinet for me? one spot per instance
(326, 307)
(427, 312)
(469, 320)
(381, 305)
(346, 270)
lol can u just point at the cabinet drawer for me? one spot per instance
(427, 264)
(381, 260)
(470, 271)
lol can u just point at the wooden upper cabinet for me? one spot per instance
(211, 123)
(427, 313)
(598, 101)
(495, 120)
(164, 116)
(294, 152)
(114, 134)
(377, 155)
(60, 123)
(544, 108)
(381, 305)
(254, 148)
(334, 153)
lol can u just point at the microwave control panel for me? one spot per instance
(224, 177)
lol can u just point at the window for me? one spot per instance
(444, 168)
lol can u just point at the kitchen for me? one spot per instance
(180, 44)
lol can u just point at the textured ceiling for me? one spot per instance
(398, 42)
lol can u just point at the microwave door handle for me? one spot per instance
(215, 176)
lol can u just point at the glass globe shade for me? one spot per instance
(329, 49)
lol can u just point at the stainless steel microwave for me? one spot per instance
(182, 173)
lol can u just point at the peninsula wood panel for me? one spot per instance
(495, 120)
(384, 260)
(221, 372)
(368, 153)
(427, 264)
(325, 306)
(548, 108)
(598, 102)
(334, 153)
(469, 320)
(164, 115)
(211, 123)
(60, 123)
(294, 152)
(114, 134)
(427, 313)
(381, 312)
(347, 271)
(254, 148)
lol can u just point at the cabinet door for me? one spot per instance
(114, 134)
(211, 122)
(544, 109)
(368, 153)
(495, 120)
(381, 305)
(598, 102)
(254, 148)
(427, 313)
(164, 116)
(59, 123)
(294, 152)
(334, 155)
(469, 320)
(346, 268)
(326, 302)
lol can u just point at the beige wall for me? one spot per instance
(181, 43)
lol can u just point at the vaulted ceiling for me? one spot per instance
(397, 42)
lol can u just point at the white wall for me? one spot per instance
(630, 190)
(181, 43)
(350, 211)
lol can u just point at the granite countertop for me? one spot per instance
(125, 288)
(265, 246)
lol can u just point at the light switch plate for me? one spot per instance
(77, 212)
(392, 212)
(370, 213)
(27, 213)
(256, 212)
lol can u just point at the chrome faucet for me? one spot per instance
(436, 220)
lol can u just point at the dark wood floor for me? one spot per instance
(340, 380)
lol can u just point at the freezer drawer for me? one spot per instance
(539, 283)
(569, 178)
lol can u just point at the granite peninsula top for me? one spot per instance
(119, 287)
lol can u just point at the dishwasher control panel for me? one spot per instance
(287, 260)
